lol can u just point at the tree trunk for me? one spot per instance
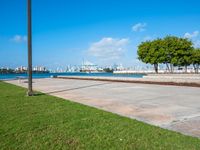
(185, 68)
(156, 68)
(171, 68)
(168, 67)
(195, 68)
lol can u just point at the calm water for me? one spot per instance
(47, 75)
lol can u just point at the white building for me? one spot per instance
(118, 67)
(88, 67)
(39, 68)
(21, 69)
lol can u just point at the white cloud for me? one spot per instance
(139, 27)
(19, 38)
(191, 35)
(108, 48)
(196, 44)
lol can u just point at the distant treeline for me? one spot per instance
(12, 71)
(171, 51)
(109, 70)
(6, 71)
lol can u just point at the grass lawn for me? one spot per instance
(47, 122)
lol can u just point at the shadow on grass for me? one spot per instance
(38, 94)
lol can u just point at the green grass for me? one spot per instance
(47, 122)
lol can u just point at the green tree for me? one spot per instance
(177, 52)
(151, 52)
(183, 53)
(171, 50)
(195, 59)
(169, 44)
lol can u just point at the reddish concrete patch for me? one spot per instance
(189, 126)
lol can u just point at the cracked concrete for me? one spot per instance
(173, 107)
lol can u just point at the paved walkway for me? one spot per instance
(172, 107)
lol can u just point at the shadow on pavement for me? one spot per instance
(77, 88)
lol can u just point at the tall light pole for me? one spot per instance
(30, 89)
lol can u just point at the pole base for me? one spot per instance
(30, 93)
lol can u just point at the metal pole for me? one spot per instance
(30, 91)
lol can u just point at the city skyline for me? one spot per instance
(104, 32)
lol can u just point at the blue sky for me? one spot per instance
(101, 31)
